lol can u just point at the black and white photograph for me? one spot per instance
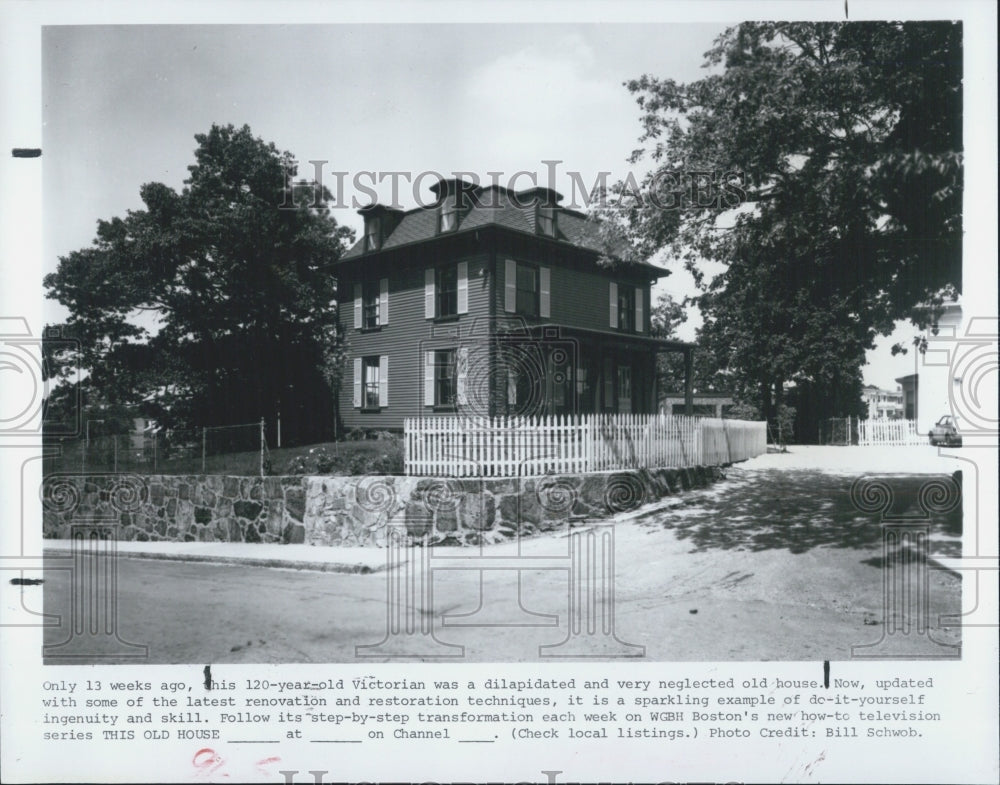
(440, 393)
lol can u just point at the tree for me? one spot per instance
(821, 164)
(212, 305)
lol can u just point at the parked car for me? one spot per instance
(945, 431)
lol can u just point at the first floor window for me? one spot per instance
(371, 382)
(444, 377)
(624, 388)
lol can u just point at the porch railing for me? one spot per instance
(567, 444)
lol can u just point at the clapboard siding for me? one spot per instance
(579, 287)
(406, 336)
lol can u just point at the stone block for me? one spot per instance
(295, 503)
(235, 533)
(247, 509)
(294, 534)
(446, 519)
(272, 488)
(418, 519)
(230, 487)
(156, 494)
(184, 491)
(251, 534)
(274, 517)
(202, 515)
(171, 508)
(592, 490)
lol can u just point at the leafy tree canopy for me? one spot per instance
(821, 165)
(211, 305)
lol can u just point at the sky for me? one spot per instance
(122, 104)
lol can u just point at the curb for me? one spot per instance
(288, 564)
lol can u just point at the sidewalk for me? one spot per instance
(295, 557)
(920, 459)
(330, 558)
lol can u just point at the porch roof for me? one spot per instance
(658, 344)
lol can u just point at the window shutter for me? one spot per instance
(544, 287)
(639, 324)
(358, 372)
(510, 286)
(383, 380)
(428, 378)
(613, 303)
(429, 293)
(383, 301)
(461, 372)
(357, 306)
(463, 287)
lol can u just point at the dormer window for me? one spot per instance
(372, 233)
(545, 220)
(448, 220)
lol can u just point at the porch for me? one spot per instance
(558, 370)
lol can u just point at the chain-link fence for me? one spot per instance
(839, 431)
(227, 449)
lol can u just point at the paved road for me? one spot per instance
(770, 564)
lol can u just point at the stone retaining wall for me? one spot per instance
(338, 510)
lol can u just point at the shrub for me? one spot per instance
(324, 461)
(387, 463)
(298, 465)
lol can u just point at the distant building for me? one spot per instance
(909, 385)
(883, 404)
(704, 404)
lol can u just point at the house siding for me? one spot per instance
(579, 289)
(408, 333)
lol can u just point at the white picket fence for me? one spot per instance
(888, 433)
(568, 444)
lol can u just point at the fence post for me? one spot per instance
(262, 446)
(204, 433)
(115, 440)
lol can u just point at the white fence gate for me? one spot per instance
(570, 444)
(888, 433)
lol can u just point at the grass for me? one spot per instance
(381, 456)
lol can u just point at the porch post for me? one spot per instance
(688, 382)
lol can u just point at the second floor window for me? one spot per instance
(370, 304)
(527, 289)
(626, 308)
(447, 290)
